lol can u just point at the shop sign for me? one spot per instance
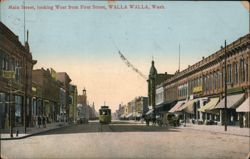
(9, 74)
(197, 89)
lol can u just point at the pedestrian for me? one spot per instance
(44, 121)
(39, 121)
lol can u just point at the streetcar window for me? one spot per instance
(103, 112)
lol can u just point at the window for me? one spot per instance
(223, 76)
(4, 64)
(229, 75)
(247, 72)
(242, 70)
(215, 80)
(236, 73)
(211, 82)
(205, 83)
(218, 78)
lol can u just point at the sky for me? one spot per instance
(85, 42)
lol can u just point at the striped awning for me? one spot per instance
(188, 107)
(210, 105)
(232, 101)
(245, 106)
(177, 105)
(129, 115)
(150, 111)
(122, 116)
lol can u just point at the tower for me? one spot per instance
(84, 96)
(151, 85)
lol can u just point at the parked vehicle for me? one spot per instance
(170, 119)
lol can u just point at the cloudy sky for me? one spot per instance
(85, 42)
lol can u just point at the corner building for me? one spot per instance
(16, 64)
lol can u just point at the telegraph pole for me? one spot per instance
(225, 85)
(11, 110)
(179, 58)
(25, 98)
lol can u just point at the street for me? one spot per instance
(123, 139)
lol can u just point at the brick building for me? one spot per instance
(64, 78)
(16, 64)
(200, 87)
(46, 94)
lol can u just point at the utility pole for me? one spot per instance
(179, 57)
(11, 110)
(24, 20)
(25, 97)
(225, 85)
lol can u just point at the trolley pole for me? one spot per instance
(225, 85)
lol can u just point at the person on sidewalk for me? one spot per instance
(39, 121)
(44, 121)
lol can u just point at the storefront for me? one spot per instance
(207, 114)
(244, 113)
(2, 110)
(18, 110)
(233, 101)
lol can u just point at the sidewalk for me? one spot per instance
(5, 134)
(231, 130)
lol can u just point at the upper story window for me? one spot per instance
(5, 64)
(247, 72)
(229, 75)
(223, 76)
(242, 70)
(211, 82)
(215, 80)
(236, 74)
(218, 78)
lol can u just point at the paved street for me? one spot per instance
(123, 139)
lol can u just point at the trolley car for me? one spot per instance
(105, 115)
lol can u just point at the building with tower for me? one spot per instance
(154, 79)
(82, 107)
(82, 99)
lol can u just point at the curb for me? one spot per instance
(34, 134)
(217, 132)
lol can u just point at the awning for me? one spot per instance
(122, 116)
(150, 111)
(129, 115)
(232, 101)
(245, 106)
(138, 115)
(177, 105)
(210, 105)
(166, 103)
(188, 107)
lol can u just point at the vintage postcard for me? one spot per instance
(121, 79)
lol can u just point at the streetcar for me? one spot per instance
(105, 115)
